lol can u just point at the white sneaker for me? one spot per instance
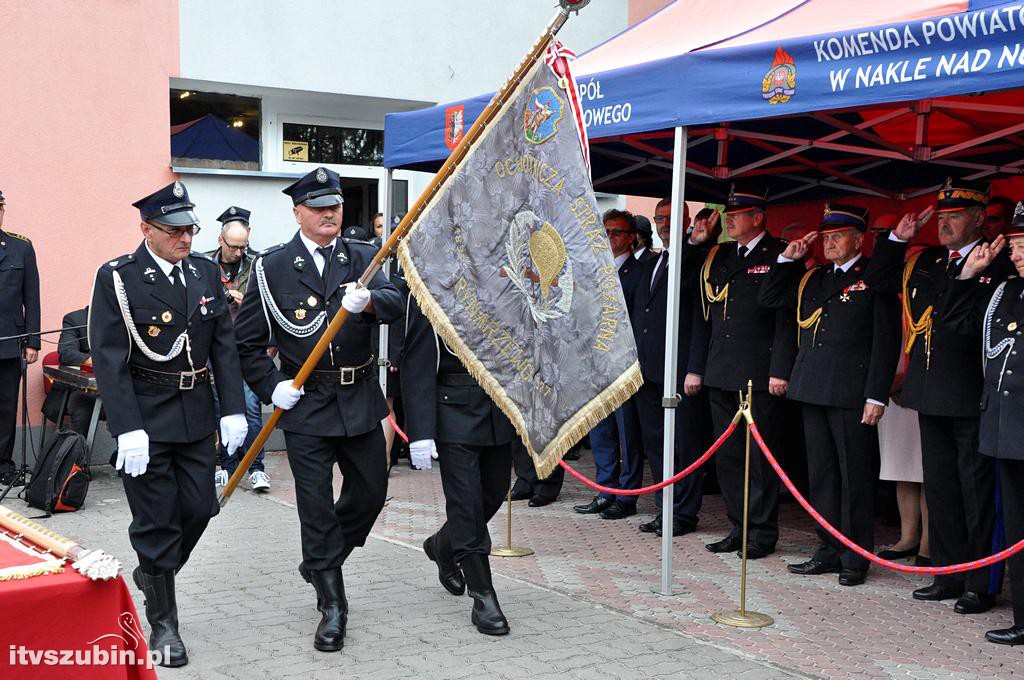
(260, 481)
(220, 478)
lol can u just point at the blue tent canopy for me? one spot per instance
(810, 108)
(211, 137)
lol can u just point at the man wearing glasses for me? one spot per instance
(158, 326)
(234, 257)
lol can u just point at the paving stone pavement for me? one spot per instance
(245, 613)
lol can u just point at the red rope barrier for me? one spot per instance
(905, 568)
(660, 485)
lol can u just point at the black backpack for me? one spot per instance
(60, 480)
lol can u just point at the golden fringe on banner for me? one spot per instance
(48, 564)
(572, 431)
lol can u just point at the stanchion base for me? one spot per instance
(738, 619)
(511, 552)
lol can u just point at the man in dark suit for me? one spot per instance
(849, 337)
(449, 415)
(73, 350)
(612, 438)
(650, 306)
(999, 316)
(945, 387)
(335, 418)
(19, 314)
(748, 341)
(158, 317)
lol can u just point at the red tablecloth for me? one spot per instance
(51, 624)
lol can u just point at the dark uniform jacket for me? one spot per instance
(73, 349)
(166, 413)
(300, 294)
(459, 414)
(1002, 401)
(649, 317)
(850, 354)
(748, 341)
(949, 383)
(19, 293)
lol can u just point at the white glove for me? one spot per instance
(356, 298)
(421, 452)
(132, 452)
(233, 429)
(285, 396)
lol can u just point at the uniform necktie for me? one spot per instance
(179, 282)
(326, 252)
(951, 265)
(742, 251)
(662, 263)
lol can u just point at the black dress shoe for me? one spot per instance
(852, 577)
(974, 603)
(727, 544)
(540, 501)
(755, 551)
(922, 561)
(936, 592)
(898, 554)
(811, 567)
(652, 527)
(618, 511)
(1006, 636)
(448, 572)
(595, 506)
(679, 528)
(521, 493)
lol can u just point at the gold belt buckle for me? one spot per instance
(348, 375)
(186, 380)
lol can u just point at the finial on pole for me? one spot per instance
(572, 5)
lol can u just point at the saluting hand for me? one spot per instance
(703, 228)
(872, 413)
(798, 249)
(981, 257)
(911, 224)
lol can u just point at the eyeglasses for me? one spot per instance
(661, 218)
(178, 232)
(618, 232)
(231, 247)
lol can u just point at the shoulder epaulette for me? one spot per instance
(119, 262)
(357, 241)
(271, 249)
(18, 236)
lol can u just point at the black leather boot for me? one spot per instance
(439, 549)
(487, 616)
(162, 614)
(330, 598)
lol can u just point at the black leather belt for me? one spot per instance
(346, 375)
(456, 380)
(182, 380)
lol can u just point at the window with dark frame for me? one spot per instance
(214, 130)
(328, 144)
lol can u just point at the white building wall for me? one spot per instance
(430, 50)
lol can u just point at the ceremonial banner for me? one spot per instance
(511, 264)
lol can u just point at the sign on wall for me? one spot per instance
(296, 151)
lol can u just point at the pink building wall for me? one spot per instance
(84, 124)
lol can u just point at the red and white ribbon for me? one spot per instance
(557, 58)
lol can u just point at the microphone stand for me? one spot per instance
(20, 475)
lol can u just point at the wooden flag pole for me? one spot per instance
(438, 181)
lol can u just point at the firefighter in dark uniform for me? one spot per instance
(19, 315)
(448, 413)
(999, 315)
(158, 315)
(748, 341)
(295, 290)
(943, 384)
(849, 337)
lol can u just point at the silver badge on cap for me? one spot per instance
(321, 176)
(232, 210)
(178, 190)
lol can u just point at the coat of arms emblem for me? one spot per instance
(543, 111)
(538, 266)
(454, 125)
(779, 84)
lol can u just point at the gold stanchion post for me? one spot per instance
(741, 618)
(509, 550)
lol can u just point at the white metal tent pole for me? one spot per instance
(670, 399)
(382, 349)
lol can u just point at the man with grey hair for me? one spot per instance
(234, 257)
